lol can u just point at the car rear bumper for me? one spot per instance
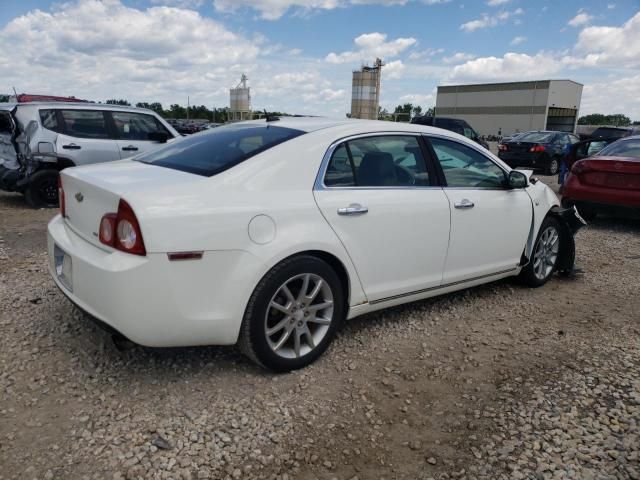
(151, 300)
(533, 160)
(575, 191)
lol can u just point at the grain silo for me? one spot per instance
(365, 91)
(240, 101)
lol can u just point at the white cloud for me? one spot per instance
(424, 100)
(370, 46)
(429, 52)
(487, 21)
(179, 3)
(611, 6)
(496, 3)
(393, 70)
(518, 40)
(459, 58)
(618, 95)
(511, 66)
(609, 46)
(274, 9)
(582, 18)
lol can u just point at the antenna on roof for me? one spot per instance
(270, 117)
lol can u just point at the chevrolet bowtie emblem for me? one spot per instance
(79, 197)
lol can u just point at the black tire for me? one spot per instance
(42, 191)
(253, 339)
(554, 166)
(528, 275)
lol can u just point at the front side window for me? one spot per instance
(136, 126)
(216, 150)
(84, 123)
(466, 167)
(384, 161)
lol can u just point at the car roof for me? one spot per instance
(311, 124)
(74, 105)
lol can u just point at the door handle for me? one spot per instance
(464, 203)
(72, 146)
(130, 148)
(353, 209)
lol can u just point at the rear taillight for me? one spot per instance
(580, 167)
(122, 231)
(502, 147)
(537, 149)
(61, 202)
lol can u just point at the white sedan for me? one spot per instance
(270, 234)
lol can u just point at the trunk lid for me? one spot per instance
(519, 147)
(611, 172)
(93, 191)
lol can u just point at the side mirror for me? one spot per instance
(517, 179)
(160, 137)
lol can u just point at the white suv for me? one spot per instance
(37, 140)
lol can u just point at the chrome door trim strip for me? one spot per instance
(439, 287)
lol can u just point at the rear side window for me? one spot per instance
(219, 149)
(136, 126)
(84, 123)
(384, 161)
(49, 120)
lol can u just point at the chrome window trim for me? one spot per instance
(319, 184)
(481, 151)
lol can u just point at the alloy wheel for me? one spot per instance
(546, 254)
(299, 315)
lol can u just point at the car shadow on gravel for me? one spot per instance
(13, 200)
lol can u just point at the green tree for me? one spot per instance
(402, 113)
(416, 111)
(4, 98)
(113, 101)
(617, 119)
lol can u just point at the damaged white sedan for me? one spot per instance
(271, 233)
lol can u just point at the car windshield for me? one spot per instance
(622, 148)
(536, 137)
(213, 151)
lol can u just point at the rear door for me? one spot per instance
(489, 222)
(133, 130)
(382, 200)
(83, 136)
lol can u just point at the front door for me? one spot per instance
(378, 197)
(133, 130)
(84, 137)
(489, 222)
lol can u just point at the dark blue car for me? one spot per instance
(538, 150)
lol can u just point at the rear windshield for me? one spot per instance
(610, 132)
(536, 137)
(219, 149)
(622, 148)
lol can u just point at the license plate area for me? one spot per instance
(63, 267)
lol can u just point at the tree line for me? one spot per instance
(616, 119)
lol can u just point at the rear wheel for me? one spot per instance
(293, 314)
(544, 259)
(42, 191)
(553, 167)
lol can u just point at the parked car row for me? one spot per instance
(39, 139)
(185, 127)
(456, 125)
(542, 150)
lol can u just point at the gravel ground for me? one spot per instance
(496, 382)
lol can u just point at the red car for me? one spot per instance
(611, 178)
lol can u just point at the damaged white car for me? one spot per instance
(39, 139)
(271, 233)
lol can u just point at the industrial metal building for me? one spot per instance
(507, 108)
(365, 91)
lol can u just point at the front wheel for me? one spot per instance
(293, 314)
(545, 254)
(42, 191)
